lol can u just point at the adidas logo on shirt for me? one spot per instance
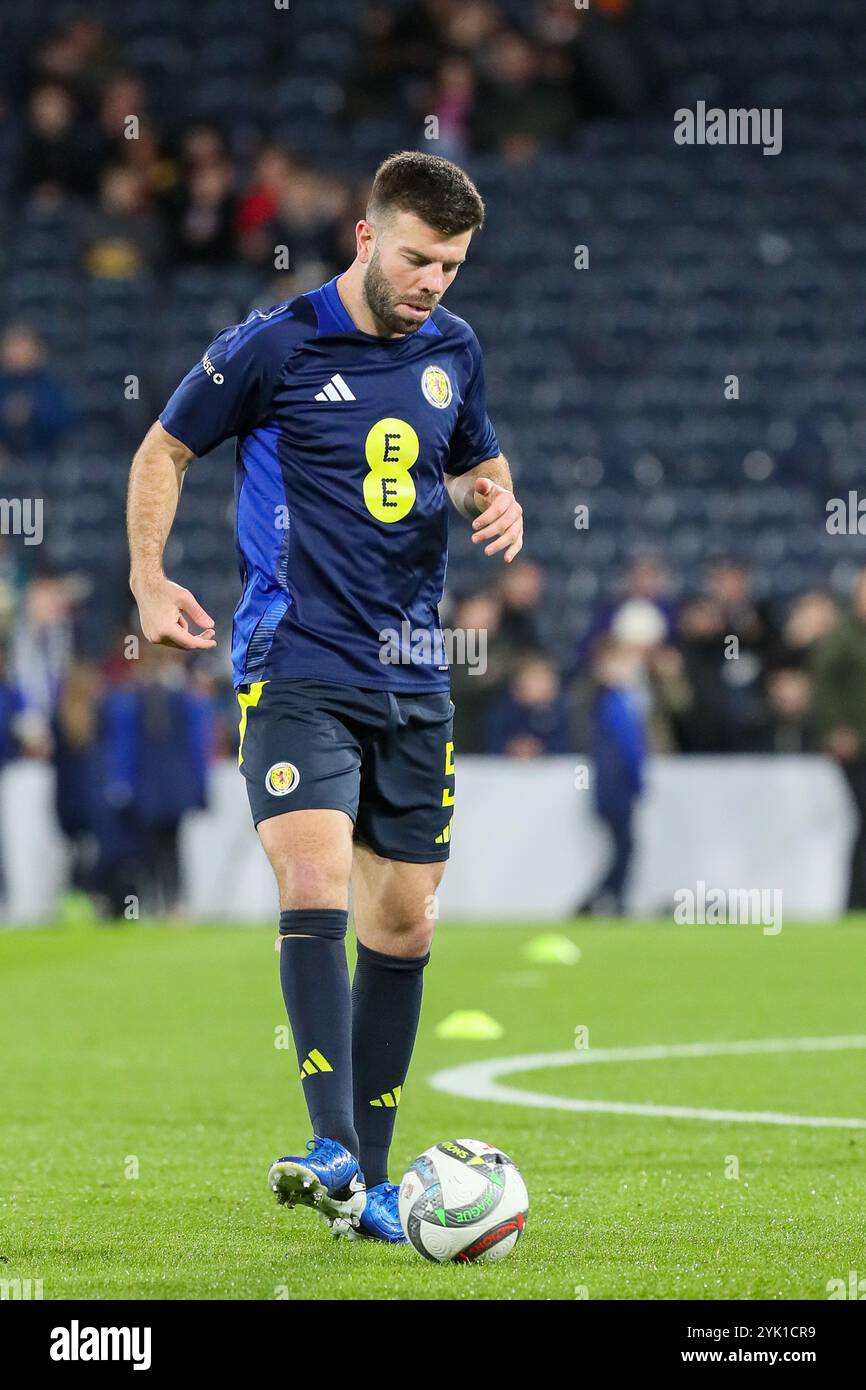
(335, 390)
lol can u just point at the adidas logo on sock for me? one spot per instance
(335, 390)
(391, 1099)
(315, 1062)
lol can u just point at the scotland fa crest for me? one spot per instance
(282, 778)
(436, 387)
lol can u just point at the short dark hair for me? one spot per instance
(437, 191)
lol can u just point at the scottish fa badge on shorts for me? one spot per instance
(282, 778)
(436, 385)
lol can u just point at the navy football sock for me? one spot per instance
(315, 980)
(386, 1006)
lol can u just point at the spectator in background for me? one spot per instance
(518, 112)
(36, 410)
(201, 211)
(59, 155)
(812, 615)
(529, 719)
(79, 55)
(648, 580)
(452, 100)
(468, 26)
(475, 686)
(617, 746)
(161, 743)
(839, 673)
(13, 582)
(123, 97)
(616, 69)
(750, 621)
(521, 590)
(370, 86)
(104, 842)
(259, 206)
(309, 218)
(399, 54)
(790, 726)
(707, 725)
(41, 648)
(122, 237)
(670, 697)
(10, 705)
(729, 584)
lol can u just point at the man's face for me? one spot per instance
(409, 268)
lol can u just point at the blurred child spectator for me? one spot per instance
(529, 719)
(617, 745)
(647, 580)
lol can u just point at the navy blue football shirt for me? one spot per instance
(343, 440)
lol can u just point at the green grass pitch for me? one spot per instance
(151, 1049)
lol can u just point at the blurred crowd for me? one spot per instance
(680, 664)
(714, 670)
(131, 740)
(152, 194)
(496, 87)
(132, 737)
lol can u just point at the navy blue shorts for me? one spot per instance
(387, 760)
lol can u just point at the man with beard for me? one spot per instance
(358, 408)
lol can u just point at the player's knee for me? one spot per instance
(312, 883)
(411, 931)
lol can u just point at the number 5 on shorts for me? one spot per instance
(448, 792)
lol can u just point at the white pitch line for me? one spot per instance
(478, 1080)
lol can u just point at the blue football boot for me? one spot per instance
(327, 1178)
(380, 1219)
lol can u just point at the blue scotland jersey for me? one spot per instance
(343, 440)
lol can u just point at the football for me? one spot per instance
(463, 1201)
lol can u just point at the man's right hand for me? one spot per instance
(165, 611)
